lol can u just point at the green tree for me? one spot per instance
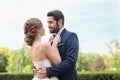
(113, 62)
(3, 63)
(5, 55)
(85, 60)
(22, 61)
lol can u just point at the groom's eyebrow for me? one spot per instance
(50, 21)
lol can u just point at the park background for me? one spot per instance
(96, 22)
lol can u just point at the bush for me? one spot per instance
(9, 76)
(82, 76)
(99, 76)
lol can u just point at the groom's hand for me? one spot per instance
(41, 72)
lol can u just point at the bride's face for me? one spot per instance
(42, 31)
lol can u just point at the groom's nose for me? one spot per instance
(49, 25)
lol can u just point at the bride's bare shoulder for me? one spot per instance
(45, 44)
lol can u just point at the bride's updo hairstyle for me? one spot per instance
(31, 28)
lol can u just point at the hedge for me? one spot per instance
(82, 76)
(99, 75)
(11, 76)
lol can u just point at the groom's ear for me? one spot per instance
(60, 21)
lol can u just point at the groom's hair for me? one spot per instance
(57, 14)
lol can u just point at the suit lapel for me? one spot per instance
(62, 34)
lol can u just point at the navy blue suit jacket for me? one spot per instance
(66, 70)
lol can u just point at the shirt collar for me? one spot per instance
(60, 31)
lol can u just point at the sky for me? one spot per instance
(96, 22)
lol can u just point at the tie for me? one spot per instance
(54, 34)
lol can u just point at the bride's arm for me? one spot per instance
(56, 51)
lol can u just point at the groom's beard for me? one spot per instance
(56, 29)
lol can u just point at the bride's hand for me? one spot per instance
(51, 39)
(56, 39)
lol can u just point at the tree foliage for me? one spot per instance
(113, 62)
(3, 63)
(21, 61)
(5, 55)
(98, 64)
(85, 60)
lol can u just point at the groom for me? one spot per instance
(68, 49)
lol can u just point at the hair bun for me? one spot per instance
(31, 29)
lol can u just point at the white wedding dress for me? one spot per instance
(46, 63)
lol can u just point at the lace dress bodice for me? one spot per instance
(46, 63)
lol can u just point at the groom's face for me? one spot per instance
(52, 24)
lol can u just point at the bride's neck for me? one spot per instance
(37, 41)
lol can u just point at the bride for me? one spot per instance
(42, 53)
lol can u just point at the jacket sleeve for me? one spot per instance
(72, 47)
